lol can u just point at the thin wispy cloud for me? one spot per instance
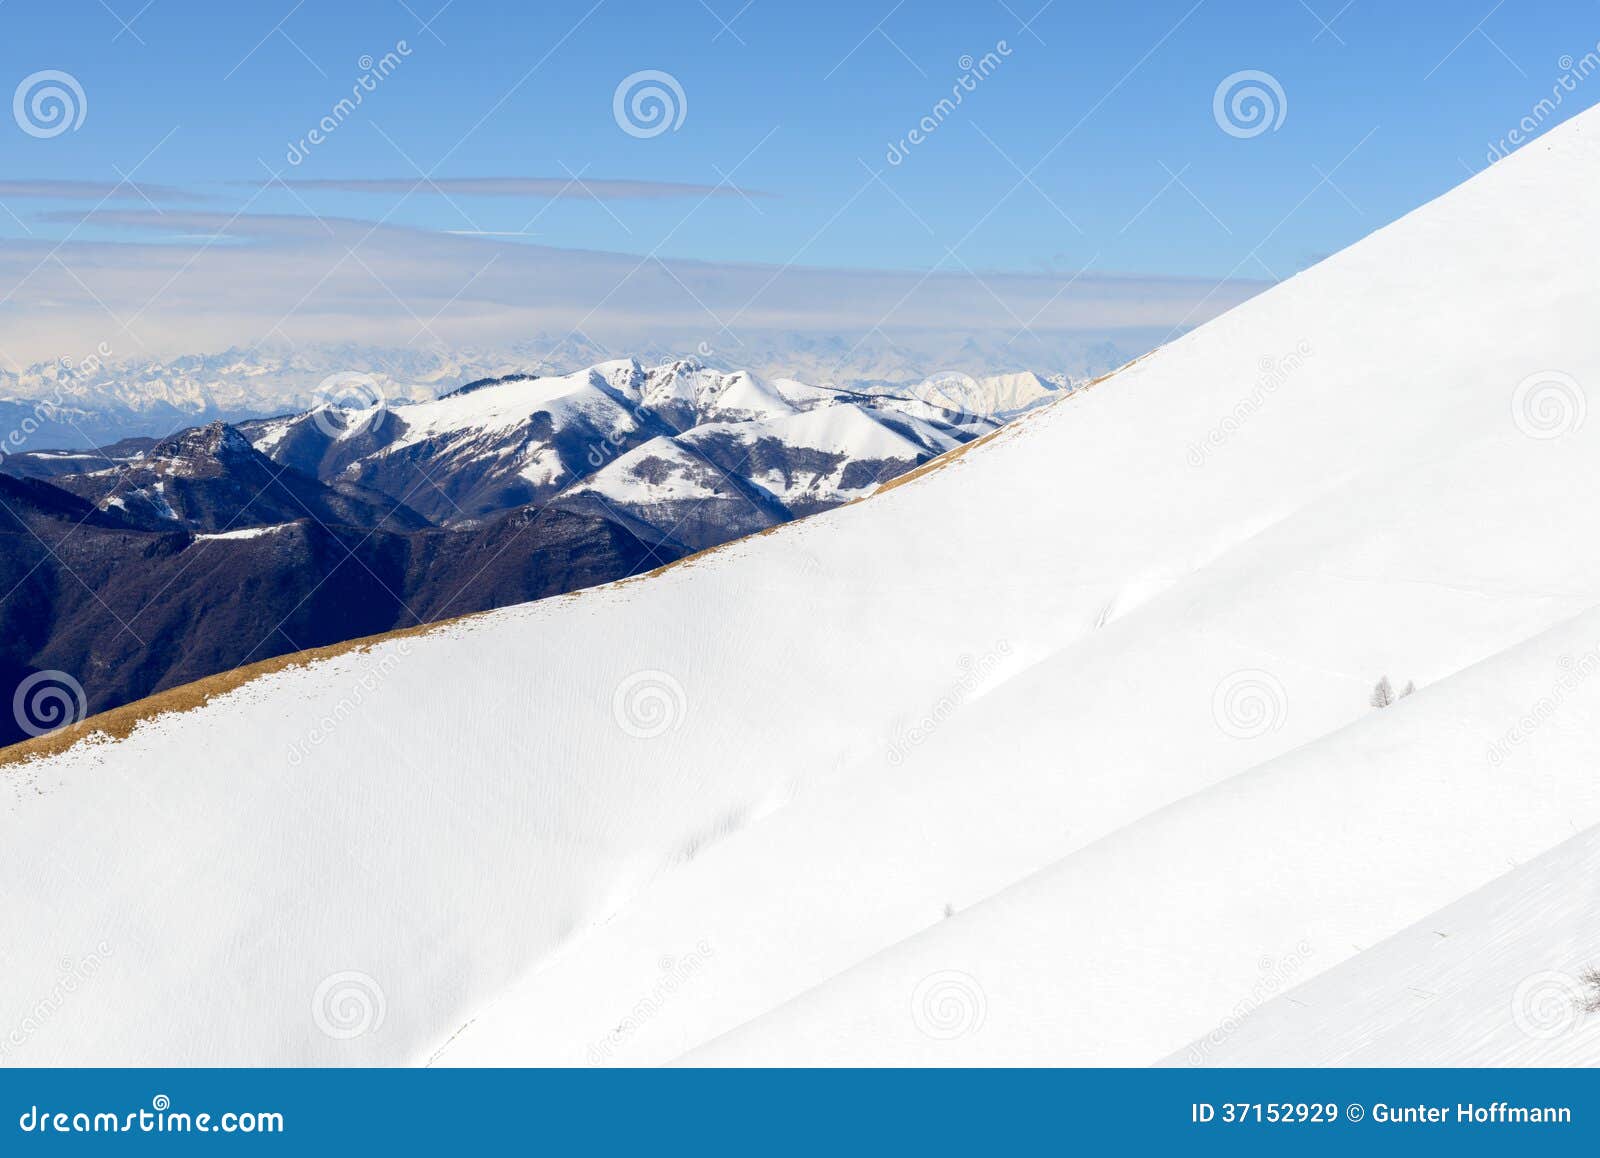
(54, 190)
(209, 280)
(553, 188)
(260, 226)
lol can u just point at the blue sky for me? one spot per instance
(798, 100)
(1093, 185)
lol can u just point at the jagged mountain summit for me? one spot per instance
(1058, 749)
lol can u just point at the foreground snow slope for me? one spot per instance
(1500, 977)
(1157, 936)
(779, 764)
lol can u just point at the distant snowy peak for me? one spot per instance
(103, 398)
(993, 397)
(686, 394)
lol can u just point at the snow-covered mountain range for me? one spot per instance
(1060, 748)
(646, 443)
(104, 396)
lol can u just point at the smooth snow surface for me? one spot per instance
(1044, 756)
(1496, 978)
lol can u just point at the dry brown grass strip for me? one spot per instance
(118, 723)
